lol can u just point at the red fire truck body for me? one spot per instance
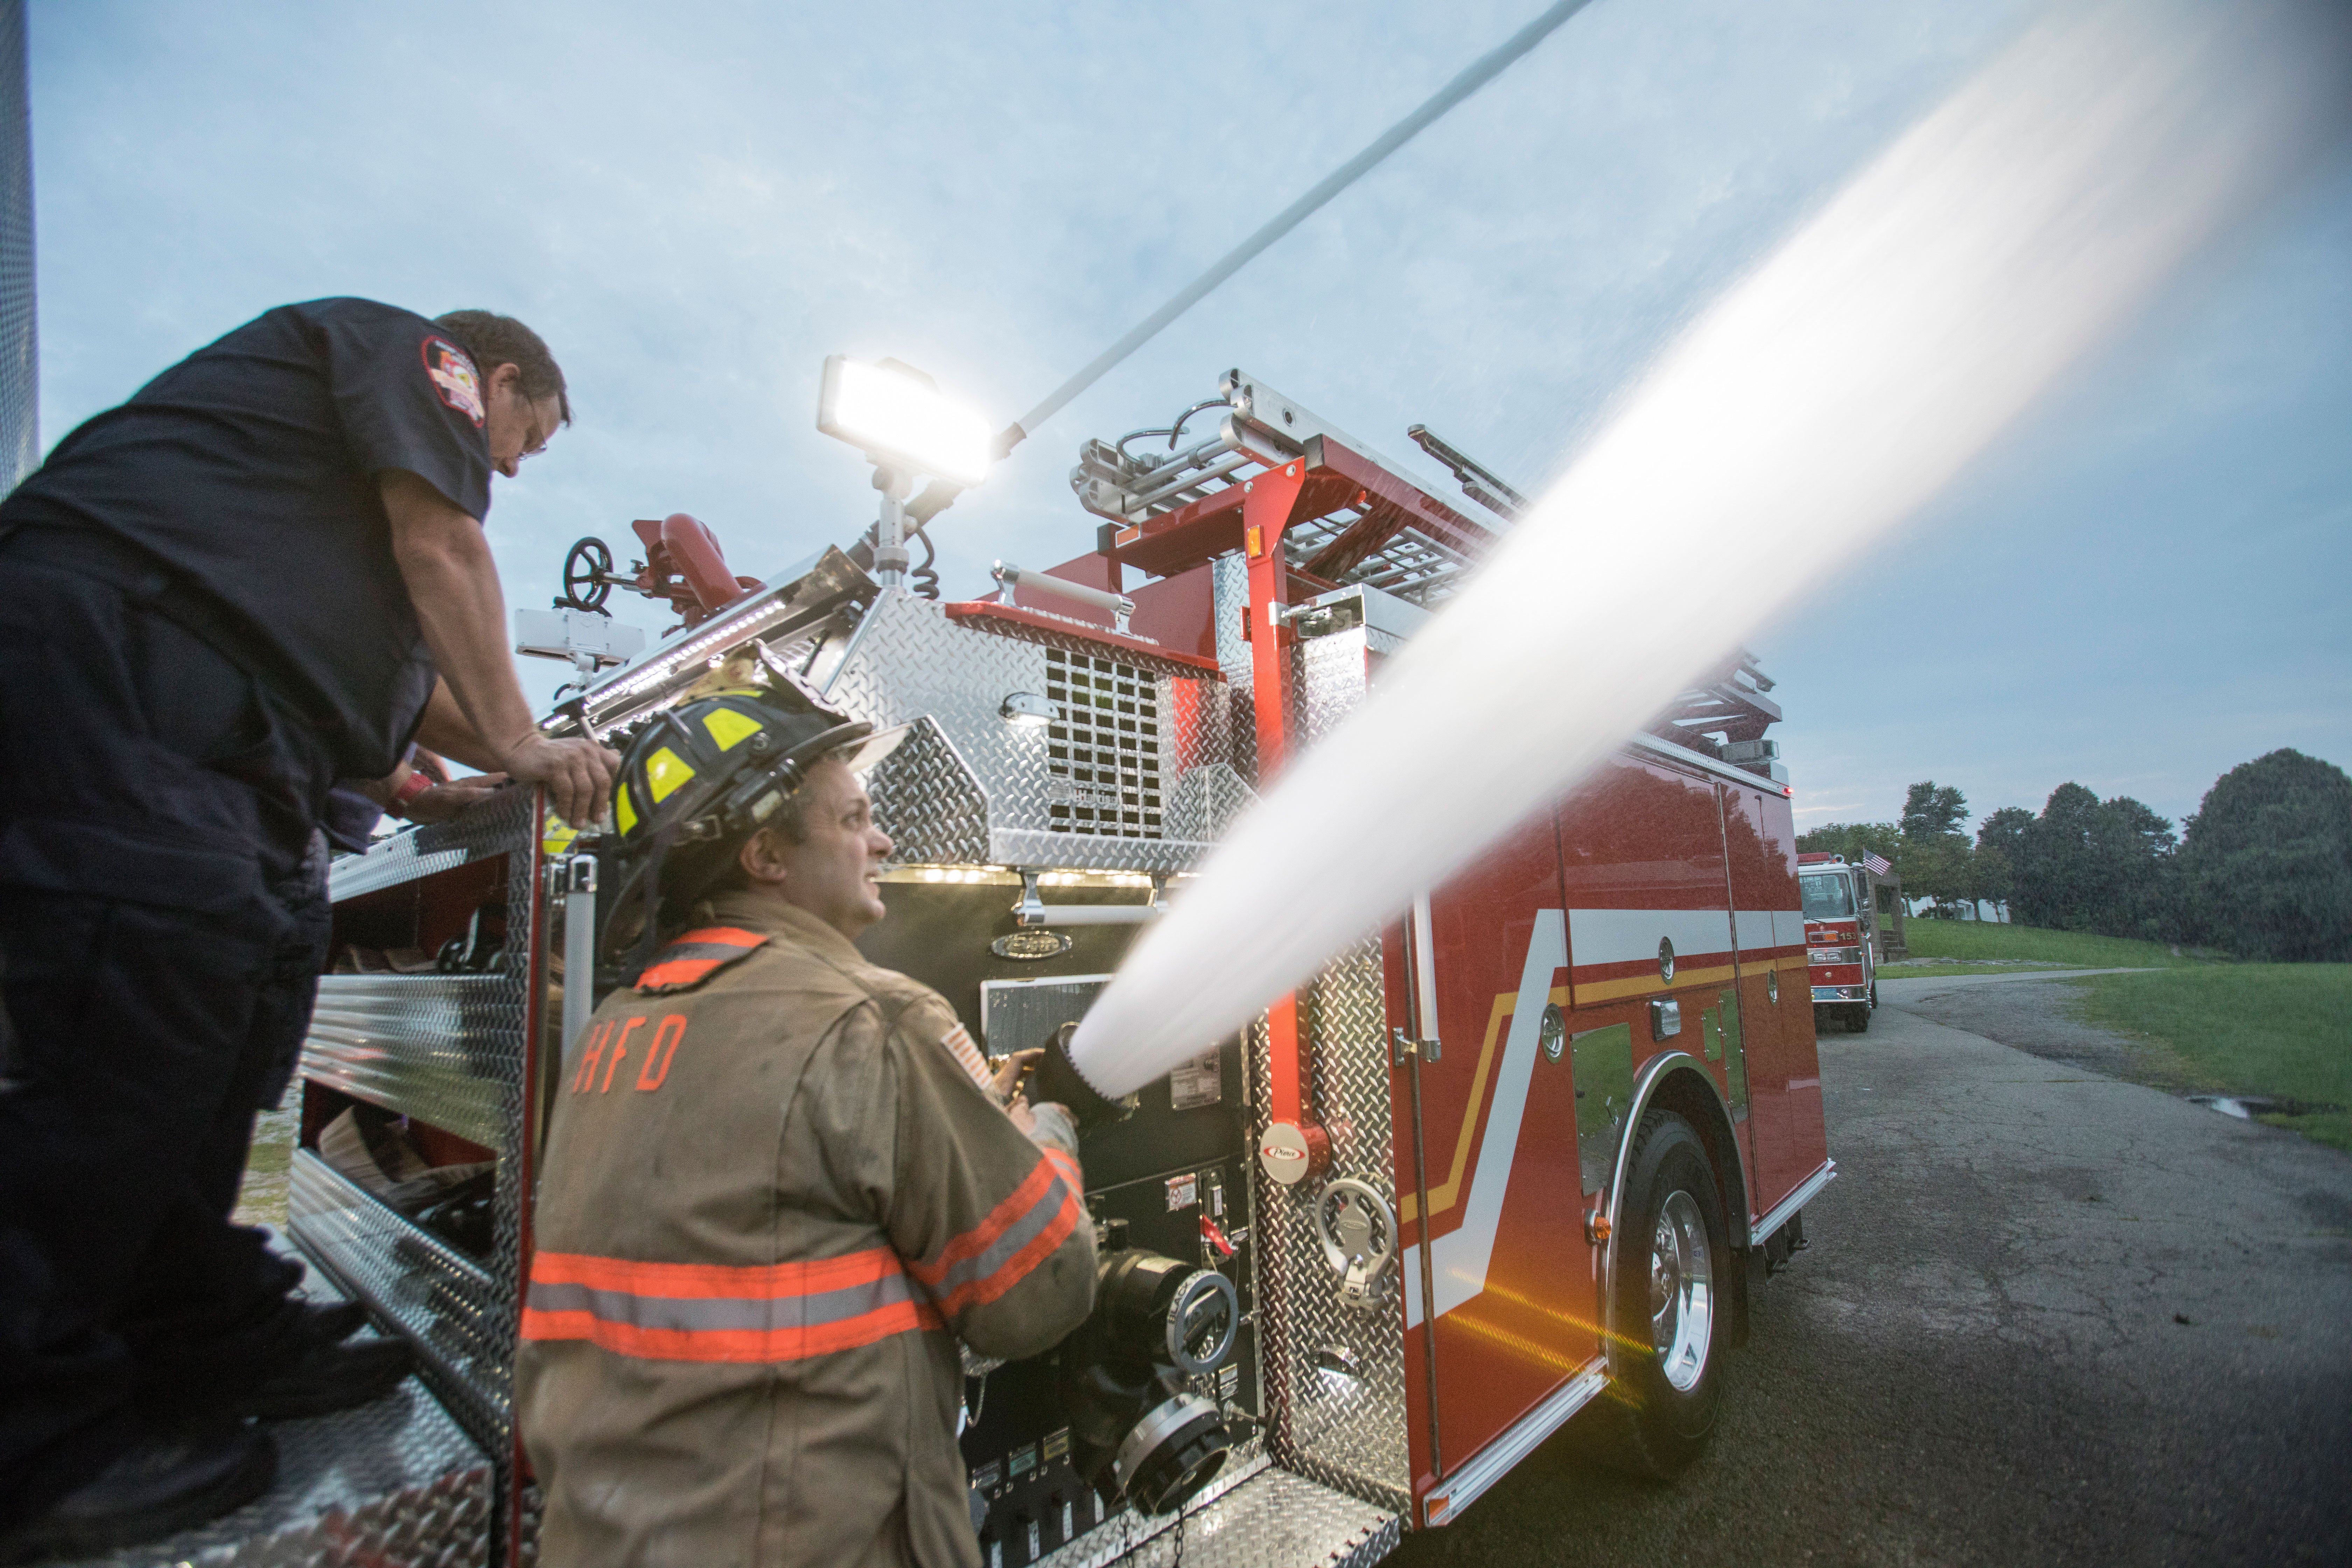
(1657, 856)
(1842, 937)
(1439, 1128)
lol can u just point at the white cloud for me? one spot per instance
(695, 204)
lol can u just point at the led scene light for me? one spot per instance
(900, 420)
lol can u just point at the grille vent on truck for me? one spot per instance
(1102, 747)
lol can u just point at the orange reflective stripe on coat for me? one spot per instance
(692, 957)
(1019, 1233)
(688, 1311)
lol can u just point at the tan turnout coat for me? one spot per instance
(774, 1197)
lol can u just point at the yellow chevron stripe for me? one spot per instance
(1443, 1195)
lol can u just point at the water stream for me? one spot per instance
(1814, 405)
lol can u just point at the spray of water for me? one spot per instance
(1818, 402)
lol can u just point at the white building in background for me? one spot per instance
(1996, 911)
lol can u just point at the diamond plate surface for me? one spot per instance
(394, 1482)
(447, 1305)
(533, 1069)
(427, 1046)
(1346, 1431)
(1214, 726)
(1330, 672)
(459, 1313)
(423, 850)
(528, 1514)
(1116, 1538)
(1068, 851)
(1155, 721)
(1229, 591)
(1206, 801)
(929, 803)
(1272, 1519)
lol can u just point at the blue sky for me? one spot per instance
(2137, 588)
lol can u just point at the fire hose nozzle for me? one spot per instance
(1056, 1079)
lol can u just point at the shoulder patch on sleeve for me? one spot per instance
(454, 378)
(959, 1042)
(695, 957)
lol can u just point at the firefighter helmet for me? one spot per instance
(719, 767)
(702, 778)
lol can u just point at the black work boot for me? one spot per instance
(321, 1377)
(174, 1479)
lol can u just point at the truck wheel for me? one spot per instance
(1670, 1287)
(1857, 1018)
(1821, 1017)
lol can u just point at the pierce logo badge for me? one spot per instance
(454, 377)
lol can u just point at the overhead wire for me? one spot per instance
(1477, 74)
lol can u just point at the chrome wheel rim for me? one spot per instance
(1682, 1291)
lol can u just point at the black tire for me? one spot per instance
(1857, 1018)
(1654, 1418)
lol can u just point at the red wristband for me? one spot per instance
(418, 783)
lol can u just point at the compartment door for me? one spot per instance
(1649, 936)
(1511, 1270)
(1783, 1073)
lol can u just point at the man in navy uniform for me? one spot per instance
(263, 572)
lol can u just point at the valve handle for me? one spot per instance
(1203, 1320)
(587, 574)
(1358, 1233)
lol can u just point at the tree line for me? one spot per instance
(2263, 870)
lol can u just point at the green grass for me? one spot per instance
(2280, 1029)
(268, 1166)
(1904, 969)
(1983, 938)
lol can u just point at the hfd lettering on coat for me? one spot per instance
(656, 1054)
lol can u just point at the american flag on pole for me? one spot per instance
(1874, 865)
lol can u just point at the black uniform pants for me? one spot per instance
(162, 924)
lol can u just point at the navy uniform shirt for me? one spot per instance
(251, 467)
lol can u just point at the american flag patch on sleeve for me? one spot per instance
(958, 1040)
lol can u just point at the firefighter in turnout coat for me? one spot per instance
(780, 1185)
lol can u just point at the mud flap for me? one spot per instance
(1746, 1273)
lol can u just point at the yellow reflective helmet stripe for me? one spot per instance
(625, 813)
(728, 727)
(556, 836)
(665, 774)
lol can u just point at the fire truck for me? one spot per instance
(1522, 1155)
(1844, 941)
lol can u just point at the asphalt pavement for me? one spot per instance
(2047, 1317)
